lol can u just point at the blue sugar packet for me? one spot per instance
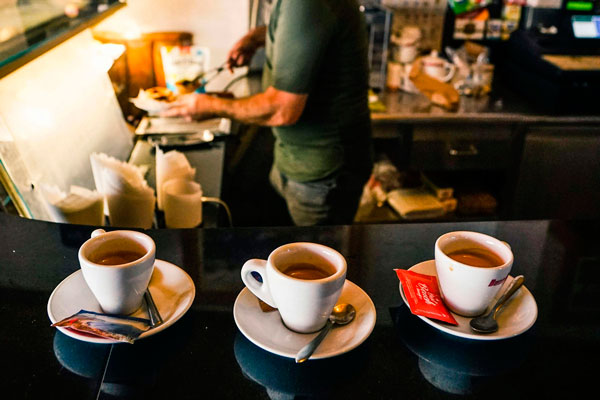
(116, 327)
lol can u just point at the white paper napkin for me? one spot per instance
(129, 200)
(79, 206)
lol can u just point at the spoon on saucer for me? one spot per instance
(342, 314)
(155, 318)
(487, 323)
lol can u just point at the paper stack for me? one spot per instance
(415, 203)
(79, 206)
(129, 199)
(170, 165)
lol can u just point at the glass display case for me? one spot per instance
(57, 103)
(28, 28)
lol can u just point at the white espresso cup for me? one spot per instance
(117, 267)
(468, 289)
(302, 280)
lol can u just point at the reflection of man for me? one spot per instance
(315, 83)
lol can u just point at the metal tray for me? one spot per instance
(180, 126)
(182, 140)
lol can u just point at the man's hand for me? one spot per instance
(190, 106)
(270, 108)
(242, 51)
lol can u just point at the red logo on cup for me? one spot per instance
(495, 282)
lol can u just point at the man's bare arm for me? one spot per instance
(272, 107)
(242, 51)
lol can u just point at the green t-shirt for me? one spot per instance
(319, 48)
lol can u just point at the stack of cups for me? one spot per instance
(182, 203)
(405, 52)
(179, 196)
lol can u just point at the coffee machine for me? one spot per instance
(554, 58)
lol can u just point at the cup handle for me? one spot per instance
(260, 289)
(98, 232)
(451, 71)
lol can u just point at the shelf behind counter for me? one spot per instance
(533, 158)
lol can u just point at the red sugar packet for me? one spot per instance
(423, 296)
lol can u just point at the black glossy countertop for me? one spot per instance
(204, 355)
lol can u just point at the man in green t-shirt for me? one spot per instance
(315, 83)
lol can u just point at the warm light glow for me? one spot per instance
(132, 32)
(113, 50)
(71, 10)
(59, 108)
(7, 32)
(105, 54)
(41, 109)
(40, 119)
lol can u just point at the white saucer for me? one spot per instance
(266, 330)
(171, 287)
(517, 316)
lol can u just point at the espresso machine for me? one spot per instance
(553, 60)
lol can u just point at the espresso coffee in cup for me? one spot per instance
(476, 257)
(471, 268)
(117, 267)
(110, 257)
(302, 280)
(309, 271)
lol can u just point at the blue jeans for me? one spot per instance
(330, 201)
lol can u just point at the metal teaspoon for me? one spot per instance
(487, 323)
(342, 314)
(155, 318)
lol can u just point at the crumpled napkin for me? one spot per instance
(79, 206)
(169, 165)
(130, 201)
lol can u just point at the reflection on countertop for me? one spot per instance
(205, 353)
